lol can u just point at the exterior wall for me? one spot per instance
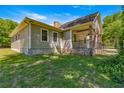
(39, 47)
(30, 43)
(21, 44)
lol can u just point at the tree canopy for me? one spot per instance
(6, 27)
(112, 29)
(121, 37)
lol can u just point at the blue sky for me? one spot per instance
(51, 13)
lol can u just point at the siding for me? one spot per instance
(39, 47)
(36, 38)
(21, 44)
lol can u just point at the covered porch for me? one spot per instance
(86, 40)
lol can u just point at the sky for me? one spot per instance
(50, 13)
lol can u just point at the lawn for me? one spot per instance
(19, 70)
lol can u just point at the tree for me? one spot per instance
(112, 26)
(121, 37)
(6, 27)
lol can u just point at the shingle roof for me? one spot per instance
(80, 20)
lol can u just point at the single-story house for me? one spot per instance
(82, 35)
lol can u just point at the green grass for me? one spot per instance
(18, 70)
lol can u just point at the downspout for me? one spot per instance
(29, 36)
(61, 41)
(71, 39)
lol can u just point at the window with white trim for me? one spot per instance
(55, 36)
(44, 35)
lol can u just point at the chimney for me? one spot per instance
(57, 24)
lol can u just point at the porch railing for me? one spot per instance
(88, 46)
(79, 44)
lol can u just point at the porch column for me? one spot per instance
(91, 41)
(91, 38)
(96, 41)
(88, 41)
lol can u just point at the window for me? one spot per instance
(55, 35)
(44, 35)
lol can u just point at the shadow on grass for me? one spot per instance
(18, 70)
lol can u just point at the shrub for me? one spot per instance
(114, 68)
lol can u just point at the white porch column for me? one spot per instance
(88, 41)
(96, 41)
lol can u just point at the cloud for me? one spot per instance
(21, 14)
(67, 14)
(84, 7)
(35, 16)
(62, 18)
(75, 6)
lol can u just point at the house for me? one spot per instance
(82, 35)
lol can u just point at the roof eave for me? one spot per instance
(43, 24)
(27, 20)
(15, 30)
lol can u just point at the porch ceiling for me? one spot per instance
(81, 27)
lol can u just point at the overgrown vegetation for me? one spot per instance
(114, 32)
(112, 26)
(121, 37)
(114, 68)
(6, 27)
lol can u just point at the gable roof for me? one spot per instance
(27, 20)
(79, 21)
(72, 24)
